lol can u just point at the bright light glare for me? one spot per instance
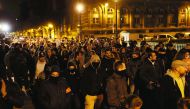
(50, 25)
(106, 4)
(80, 7)
(5, 27)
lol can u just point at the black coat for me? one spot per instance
(51, 95)
(171, 92)
(149, 72)
(107, 65)
(151, 97)
(92, 81)
(133, 66)
(14, 97)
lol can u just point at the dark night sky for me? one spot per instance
(9, 9)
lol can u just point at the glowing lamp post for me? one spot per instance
(116, 31)
(4, 27)
(50, 26)
(80, 9)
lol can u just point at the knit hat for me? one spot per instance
(178, 63)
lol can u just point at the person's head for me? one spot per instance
(42, 57)
(103, 52)
(114, 49)
(78, 55)
(157, 48)
(188, 64)
(152, 56)
(120, 68)
(123, 50)
(95, 61)
(54, 51)
(49, 52)
(161, 44)
(92, 53)
(187, 55)
(135, 55)
(55, 71)
(134, 102)
(183, 104)
(71, 68)
(18, 47)
(108, 54)
(187, 46)
(170, 46)
(179, 66)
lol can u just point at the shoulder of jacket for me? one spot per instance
(111, 79)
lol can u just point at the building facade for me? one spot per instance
(99, 16)
(134, 15)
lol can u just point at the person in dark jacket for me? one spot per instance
(170, 54)
(107, 63)
(73, 79)
(116, 87)
(9, 96)
(16, 61)
(53, 93)
(63, 58)
(150, 74)
(92, 79)
(2, 64)
(174, 85)
(133, 66)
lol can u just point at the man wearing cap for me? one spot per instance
(174, 84)
(53, 93)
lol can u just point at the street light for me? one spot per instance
(106, 4)
(80, 9)
(4, 27)
(116, 34)
(50, 26)
(103, 8)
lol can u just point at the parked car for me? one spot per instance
(144, 37)
(163, 37)
(182, 35)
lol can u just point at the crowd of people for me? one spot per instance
(95, 74)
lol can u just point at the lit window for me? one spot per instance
(95, 11)
(182, 20)
(171, 19)
(96, 20)
(183, 11)
(110, 20)
(137, 20)
(110, 10)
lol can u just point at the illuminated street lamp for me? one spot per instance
(80, 9)
(50, 26)
(5, 27)
(116, 34)
(106, 4)
(103, 8)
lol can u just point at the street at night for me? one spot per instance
(94, 54)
